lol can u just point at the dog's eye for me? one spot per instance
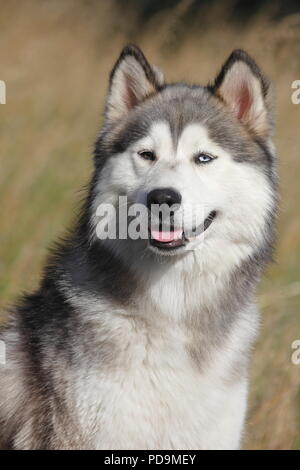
(147, 155)
(203, 158)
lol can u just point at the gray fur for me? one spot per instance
(92, 333)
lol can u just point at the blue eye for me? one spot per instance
(203, 158)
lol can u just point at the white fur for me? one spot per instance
(240, 193)
(153, 394)
(168, 368)
(155, 397)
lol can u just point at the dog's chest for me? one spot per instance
(155, 396)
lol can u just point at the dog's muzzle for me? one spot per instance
(165, 233)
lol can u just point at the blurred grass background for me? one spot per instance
(55, 56)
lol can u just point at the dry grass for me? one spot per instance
(55, 57)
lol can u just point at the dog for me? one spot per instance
(145, 342)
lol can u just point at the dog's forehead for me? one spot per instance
(180, 106)
(181, 112)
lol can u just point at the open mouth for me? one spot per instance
(177, 238)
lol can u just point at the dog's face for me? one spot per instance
(202, 153)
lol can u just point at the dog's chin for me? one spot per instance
(179, 245)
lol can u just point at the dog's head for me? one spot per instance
(203, 153)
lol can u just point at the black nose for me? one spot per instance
(160, 196)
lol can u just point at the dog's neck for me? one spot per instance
(173, 299)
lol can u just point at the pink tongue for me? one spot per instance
(166, 236)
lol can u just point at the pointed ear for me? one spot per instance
(246, 92)
(132, 80)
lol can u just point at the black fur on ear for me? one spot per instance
(132, 80)
(246, 92)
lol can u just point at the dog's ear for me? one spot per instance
(132, 80)
(246, 92)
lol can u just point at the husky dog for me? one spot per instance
(145, 343)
